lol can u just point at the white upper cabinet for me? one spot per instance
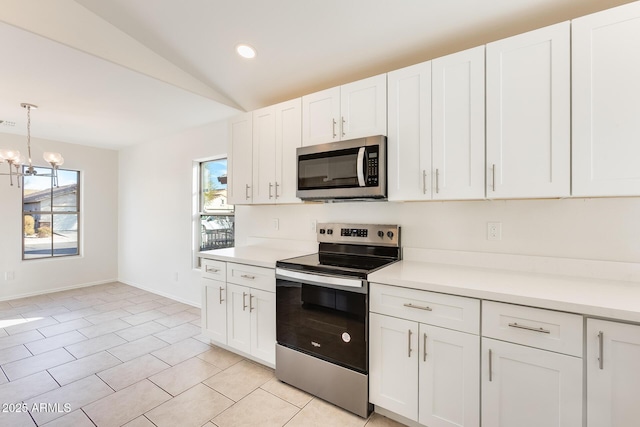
(528, 114)
(457, 87)
(436, 129)
(606, 110)
(276, 135)
(409, 139)
(239, 163)
(350, 111)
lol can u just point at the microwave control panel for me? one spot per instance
(372, 169)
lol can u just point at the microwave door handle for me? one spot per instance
(360, 161)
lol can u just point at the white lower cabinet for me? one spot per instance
(422, 372)
(523, 383)
(613, 374)
(528, 387)
(240, 313)
(214, 316)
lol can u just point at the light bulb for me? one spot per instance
(9, 154)
(246, 51)
(53, 158)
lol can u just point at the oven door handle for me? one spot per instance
(318, 279)
(360, 166)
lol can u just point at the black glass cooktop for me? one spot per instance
(336, 263)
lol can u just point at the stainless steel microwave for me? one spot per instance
(343, 170)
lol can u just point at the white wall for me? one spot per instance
(98, 223)
(156, 197)
(606, 229)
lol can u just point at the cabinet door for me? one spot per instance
(528, 114)
(214, 310)
(363, 108)
(262, 306)
(527, 387)
(449, 378)
(320, 117)
(238, 317)
(605, 94)
(264, 155)
(288, 138)
(613, 374)
(409, 140)
(240, 159)
(458, 125)
(393, 365)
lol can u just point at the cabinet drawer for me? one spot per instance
(448, 311)
(535, 327)
(213, 269)
(254, 277)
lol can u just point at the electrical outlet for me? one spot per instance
(9, 275)
(313, 225)
(494, 231)
(276, 223)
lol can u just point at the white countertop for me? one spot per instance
(258, 255)
(614, 299)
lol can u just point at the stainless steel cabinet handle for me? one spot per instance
(490, 365)
(342, 127)
(409, 343)
(334, 128)
(211, 269)
(529, 328)
(247, 276)
(246, 192)
(493, 177)
(424, 181)
(251, 307)
(424, 348)
(419, 307)
(437, 181)
(244, 301)
(270, 187)
(221, 289)
(277, 185)
(601, 350)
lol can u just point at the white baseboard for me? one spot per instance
(60, 289)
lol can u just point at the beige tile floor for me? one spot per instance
(114, 355)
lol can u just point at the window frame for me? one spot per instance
(52, 212)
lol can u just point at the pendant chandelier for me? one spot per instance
(16, 160)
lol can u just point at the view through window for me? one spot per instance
(216, 216)
(50, 214)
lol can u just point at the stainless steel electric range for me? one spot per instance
(322, 306)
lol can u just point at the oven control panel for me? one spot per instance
(373, 234)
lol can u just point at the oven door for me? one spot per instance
(324, 320)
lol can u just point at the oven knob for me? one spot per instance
(330, 231)
(390, 234)
(322, 231)
(381, 234)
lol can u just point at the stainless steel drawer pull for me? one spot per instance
(490, 365)
(211, 269)
(334, 128)
(424, 181)
(437, 181)
(419, 307)
(244, 301)
(409, 343)
(493, 177)
(221, 299)
(270, 193)
(251, 307)
(424, 348)
(247, 276)
(601, 350)
(530, 328)
(277, 185)
(246, 191)
(342, 127)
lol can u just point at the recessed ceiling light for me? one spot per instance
(246, 51)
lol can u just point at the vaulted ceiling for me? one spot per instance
(120, 72)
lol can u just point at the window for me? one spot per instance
(216, 216)
(50, 214)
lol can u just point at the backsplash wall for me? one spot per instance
(606, 229)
